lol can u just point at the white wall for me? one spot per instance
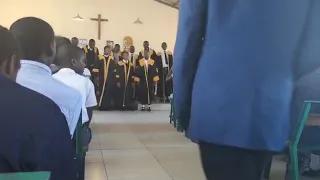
(160, 22)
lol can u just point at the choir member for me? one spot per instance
(133, 57)
(116, 53)
(75, 41)
(92, 53)
(105, 67)
(164, 65)
(146, 78)
(152, 53)
(124, 75)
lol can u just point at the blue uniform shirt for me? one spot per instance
(38, 77)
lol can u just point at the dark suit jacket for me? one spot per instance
(235, 66)
(34, 134)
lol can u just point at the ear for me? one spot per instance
(73, 61)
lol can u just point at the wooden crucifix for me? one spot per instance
(99, 20)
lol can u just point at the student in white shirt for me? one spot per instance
(71, 60)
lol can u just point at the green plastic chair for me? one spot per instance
(172, 118)
(293, 144)
(26, 176)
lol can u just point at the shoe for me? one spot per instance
(143, 109)
(149, 109)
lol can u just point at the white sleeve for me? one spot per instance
(91, 96)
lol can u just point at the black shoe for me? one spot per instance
(143, 109)
(149, 109)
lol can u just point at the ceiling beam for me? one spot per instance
(167, 4)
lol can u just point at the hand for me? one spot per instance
(118, 84)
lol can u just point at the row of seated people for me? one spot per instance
(39, 112)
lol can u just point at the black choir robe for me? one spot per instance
(134, 59)
(116, 58)
(92, 56)
(124, 77)
(152, 54)
(35, 136)
(106, 83)
(165, 88)
(146, 77)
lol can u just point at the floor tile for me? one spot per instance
(119, 141)
(183, 170)
(95, 171)
(164, 139)
(179, 154)
(94, 156)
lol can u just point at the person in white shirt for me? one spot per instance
(71, 60)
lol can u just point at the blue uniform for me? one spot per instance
(38, 77)
(235, 64)
(34, 134)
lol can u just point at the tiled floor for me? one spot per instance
(144, 146)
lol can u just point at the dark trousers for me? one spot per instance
(231, 163)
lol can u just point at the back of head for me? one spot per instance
(60, 40)
(36, 38)
(66, 53)
(9, 54)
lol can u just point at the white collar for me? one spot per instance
(67, 70)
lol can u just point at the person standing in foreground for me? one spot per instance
(38, 51)
(35, 136)
(146, 78)
(235, 66)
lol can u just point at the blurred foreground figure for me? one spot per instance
(235, 66)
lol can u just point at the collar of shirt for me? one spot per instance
(125, 61)
(106, 55)
(36, 65)
(67, 71)
(89, 48)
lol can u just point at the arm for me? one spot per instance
(191, 30)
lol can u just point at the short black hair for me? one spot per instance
(74, 38)
(117, 45)
(9, 46)
(60, 40)
(106, 47)
(124, 52)
(145, 41)
(67, 52)
(91, 40)
(35, 37)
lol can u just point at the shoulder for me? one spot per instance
(151, 62)
(159, 54)
(169, 53)
(68, 95)
(120, 63)
(14, 95)
(86, 72)
(101, 57)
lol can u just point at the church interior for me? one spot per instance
(126, 145)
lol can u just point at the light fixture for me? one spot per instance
(138, 21)
(78, 18)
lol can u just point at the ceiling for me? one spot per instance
(170, 3)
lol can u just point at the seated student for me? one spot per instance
(306, 88)
(38, 51)
(34, 136)
(71, 59)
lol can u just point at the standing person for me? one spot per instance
(106, 82)
(92, 53)
(238, 118)
(146, 78)
(146, 47)
(35, 136)
(124, 75)
(164, 65)
(37, 52)
(133, 57)
(116, 53)
(75, 41)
